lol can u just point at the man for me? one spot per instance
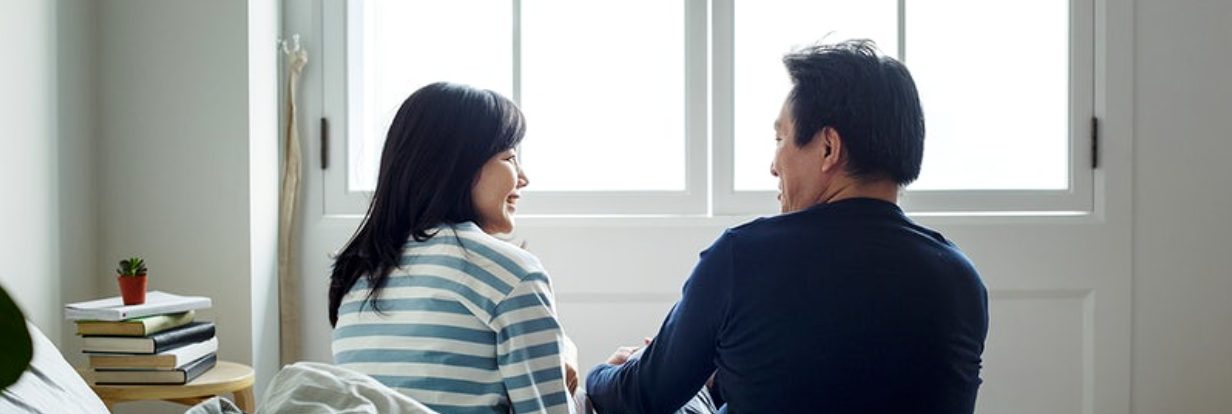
(841, 304)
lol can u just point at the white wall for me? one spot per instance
(29, 180)
(47, 166)
(1182, 355)
(128, 130)
(187, 159)
(263, 186)
(173, 152)
(78, 218)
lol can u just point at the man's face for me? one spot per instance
(802, 180)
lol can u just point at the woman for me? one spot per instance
(424, 298)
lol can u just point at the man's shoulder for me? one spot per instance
(758, 225)
(766, 226)
(818, 225)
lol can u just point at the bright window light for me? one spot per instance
(603, 92)
(402, 46)
(764, 32)
(603, 84)
(993, 82)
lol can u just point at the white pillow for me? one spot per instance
(50, 385)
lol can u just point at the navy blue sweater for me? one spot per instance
(846, 307)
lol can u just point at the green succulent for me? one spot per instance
(132, 266)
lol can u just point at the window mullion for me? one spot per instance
(902, 31)
(696, 104)
(516, 37)
(722, 155)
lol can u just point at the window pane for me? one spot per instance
(399, 46)
(764, 32)
(993, 79)
(603, 93)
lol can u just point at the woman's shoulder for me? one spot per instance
(471, 240)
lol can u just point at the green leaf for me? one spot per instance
(132, 266)
(16, 347)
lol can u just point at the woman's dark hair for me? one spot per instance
(870, 100)
(437, 144)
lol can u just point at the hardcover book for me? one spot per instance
(153, 344)
(142, 326)
(113, 309)
(166, 360)
(177, 376)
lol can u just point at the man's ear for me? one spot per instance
(832, 153)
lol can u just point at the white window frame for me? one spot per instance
(692, 200)
(709, 132)
(1079, 198)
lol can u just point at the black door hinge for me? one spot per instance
(1094, 143)
(324, 143)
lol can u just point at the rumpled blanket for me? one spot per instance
(216, 405)
(310, 387)
(316, 388)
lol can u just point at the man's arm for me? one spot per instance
(681, 358)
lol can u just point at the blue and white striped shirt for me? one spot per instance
(467, 324)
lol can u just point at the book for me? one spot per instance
(177, 376)
(142, 326)
(166, 360)
(113, 309)
(153, 344)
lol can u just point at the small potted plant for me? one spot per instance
(132, 280)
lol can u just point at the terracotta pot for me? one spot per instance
(132, 289)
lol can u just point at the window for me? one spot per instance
(762, 33)
(386, 64)
(606, 100)
(666, 107)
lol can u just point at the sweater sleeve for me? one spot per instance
(529, 345)
(682, 356)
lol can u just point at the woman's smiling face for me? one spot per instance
(496, 192)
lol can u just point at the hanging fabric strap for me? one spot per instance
(288, 239)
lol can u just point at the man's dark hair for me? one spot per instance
(439, 141)
(869, 99)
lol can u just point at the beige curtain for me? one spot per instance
(288, 240)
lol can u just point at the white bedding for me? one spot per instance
(50, 385)
(309, 387)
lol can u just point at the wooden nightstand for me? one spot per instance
(224, 378)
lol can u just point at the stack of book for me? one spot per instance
(157, 342)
